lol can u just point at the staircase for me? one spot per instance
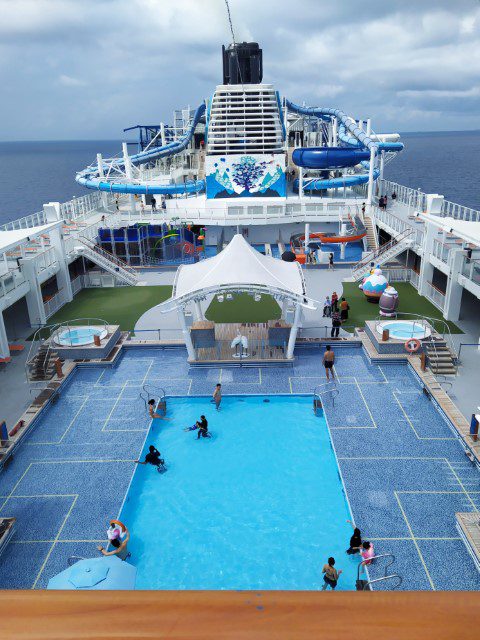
(372, 239)
(42, 366)
(107, 261)
(440, 359)
(383, 254)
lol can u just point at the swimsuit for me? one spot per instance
(328, 364)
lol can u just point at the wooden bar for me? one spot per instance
(238, 615)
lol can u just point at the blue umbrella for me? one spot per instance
(107, 572)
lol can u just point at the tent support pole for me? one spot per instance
(294, 331)
(186, 335)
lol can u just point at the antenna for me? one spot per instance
(233, 40)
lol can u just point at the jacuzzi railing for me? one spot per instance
(427, 322)
(47, 332)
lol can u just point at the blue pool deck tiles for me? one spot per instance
(404, 471)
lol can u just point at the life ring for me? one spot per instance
(412, 345)
(188, 248)
(120, 524)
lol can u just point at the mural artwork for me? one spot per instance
(244, 176)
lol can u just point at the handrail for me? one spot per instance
(392, 575)
(104, 253)
(325, 388)
(383, 249)
(146, 391)
(369, 560)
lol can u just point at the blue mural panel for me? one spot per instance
(249, 175)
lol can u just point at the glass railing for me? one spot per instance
(45, 259)
(10, 281)
(440, 251)
(471, 270)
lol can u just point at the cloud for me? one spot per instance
(69, 81)
(406, 64)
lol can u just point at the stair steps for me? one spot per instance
(440, 359)
(383, 254)
(372, 240)
(107, 261)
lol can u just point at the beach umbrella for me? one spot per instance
(105, 573)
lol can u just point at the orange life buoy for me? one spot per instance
(412, 345)
(120, 524)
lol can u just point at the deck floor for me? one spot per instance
(405, 473)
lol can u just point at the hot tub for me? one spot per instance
(404, 329)
(79, 336)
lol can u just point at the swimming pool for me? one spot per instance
(404, 329)
(78, 336)
(259, 506)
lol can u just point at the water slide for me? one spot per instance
(91, 179)
(339, 157)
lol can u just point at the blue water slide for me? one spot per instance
(334, 183)
(353, 142)
(329, 157)
(90, 178)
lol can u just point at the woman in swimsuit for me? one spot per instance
(331, 576)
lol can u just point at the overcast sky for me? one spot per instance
(85, 69)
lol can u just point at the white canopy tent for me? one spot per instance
(239, 268)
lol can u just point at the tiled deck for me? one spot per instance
(405, 473)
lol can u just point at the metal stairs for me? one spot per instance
(107, 261)
(41, 367)
(372, 238)
(383, 254)
(440, 359)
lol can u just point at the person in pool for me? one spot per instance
(202, 428)
(367, 552)
(217, 395)
(331, 575)
(152, 457)
(152, 413)
(119, 547)
(355, 540)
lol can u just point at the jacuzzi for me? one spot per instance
(404, 329)
(79, 336)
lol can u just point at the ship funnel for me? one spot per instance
(242, 63)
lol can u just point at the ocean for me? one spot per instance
(32, 173)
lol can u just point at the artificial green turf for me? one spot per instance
(243, 308)
(115, 305)
(408, 302)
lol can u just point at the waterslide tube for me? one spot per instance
(328, 157)
(353, 142)
(90, 178)
(334, 183)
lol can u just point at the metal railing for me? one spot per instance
(32, 220)
(435, 296)
(82, 206)
(151, 391)
(53, 304)
(365, 584)
(396, 242)
(328, 389)
(11, 280)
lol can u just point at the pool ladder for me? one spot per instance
(365, 585)
(327, 389)
(150, 391)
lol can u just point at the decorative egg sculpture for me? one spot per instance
(388, 302)
(374, 285)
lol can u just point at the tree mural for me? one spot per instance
(247, 172)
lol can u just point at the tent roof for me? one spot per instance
(468, 231)
(238, 266)
(11, 239)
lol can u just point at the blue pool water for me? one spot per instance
(80, 336)
(258, 506)
(401, 330)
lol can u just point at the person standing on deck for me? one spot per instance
(328, 362)
(336, 324)
(153, 202)
(327, 308)
(330, 262)
(334, 301)
(344, 309)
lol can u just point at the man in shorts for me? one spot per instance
(328, 361)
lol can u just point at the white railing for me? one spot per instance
(413, 198)
(440, 251)
(45, 259)
(10, 281)
(435, 296)
(33, 220)
(417, 199)
(397, 225)
(54, 304)
(82, 206)
(97, 279)
(77, 285)
(90, 232)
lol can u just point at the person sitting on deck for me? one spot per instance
(152, 413)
